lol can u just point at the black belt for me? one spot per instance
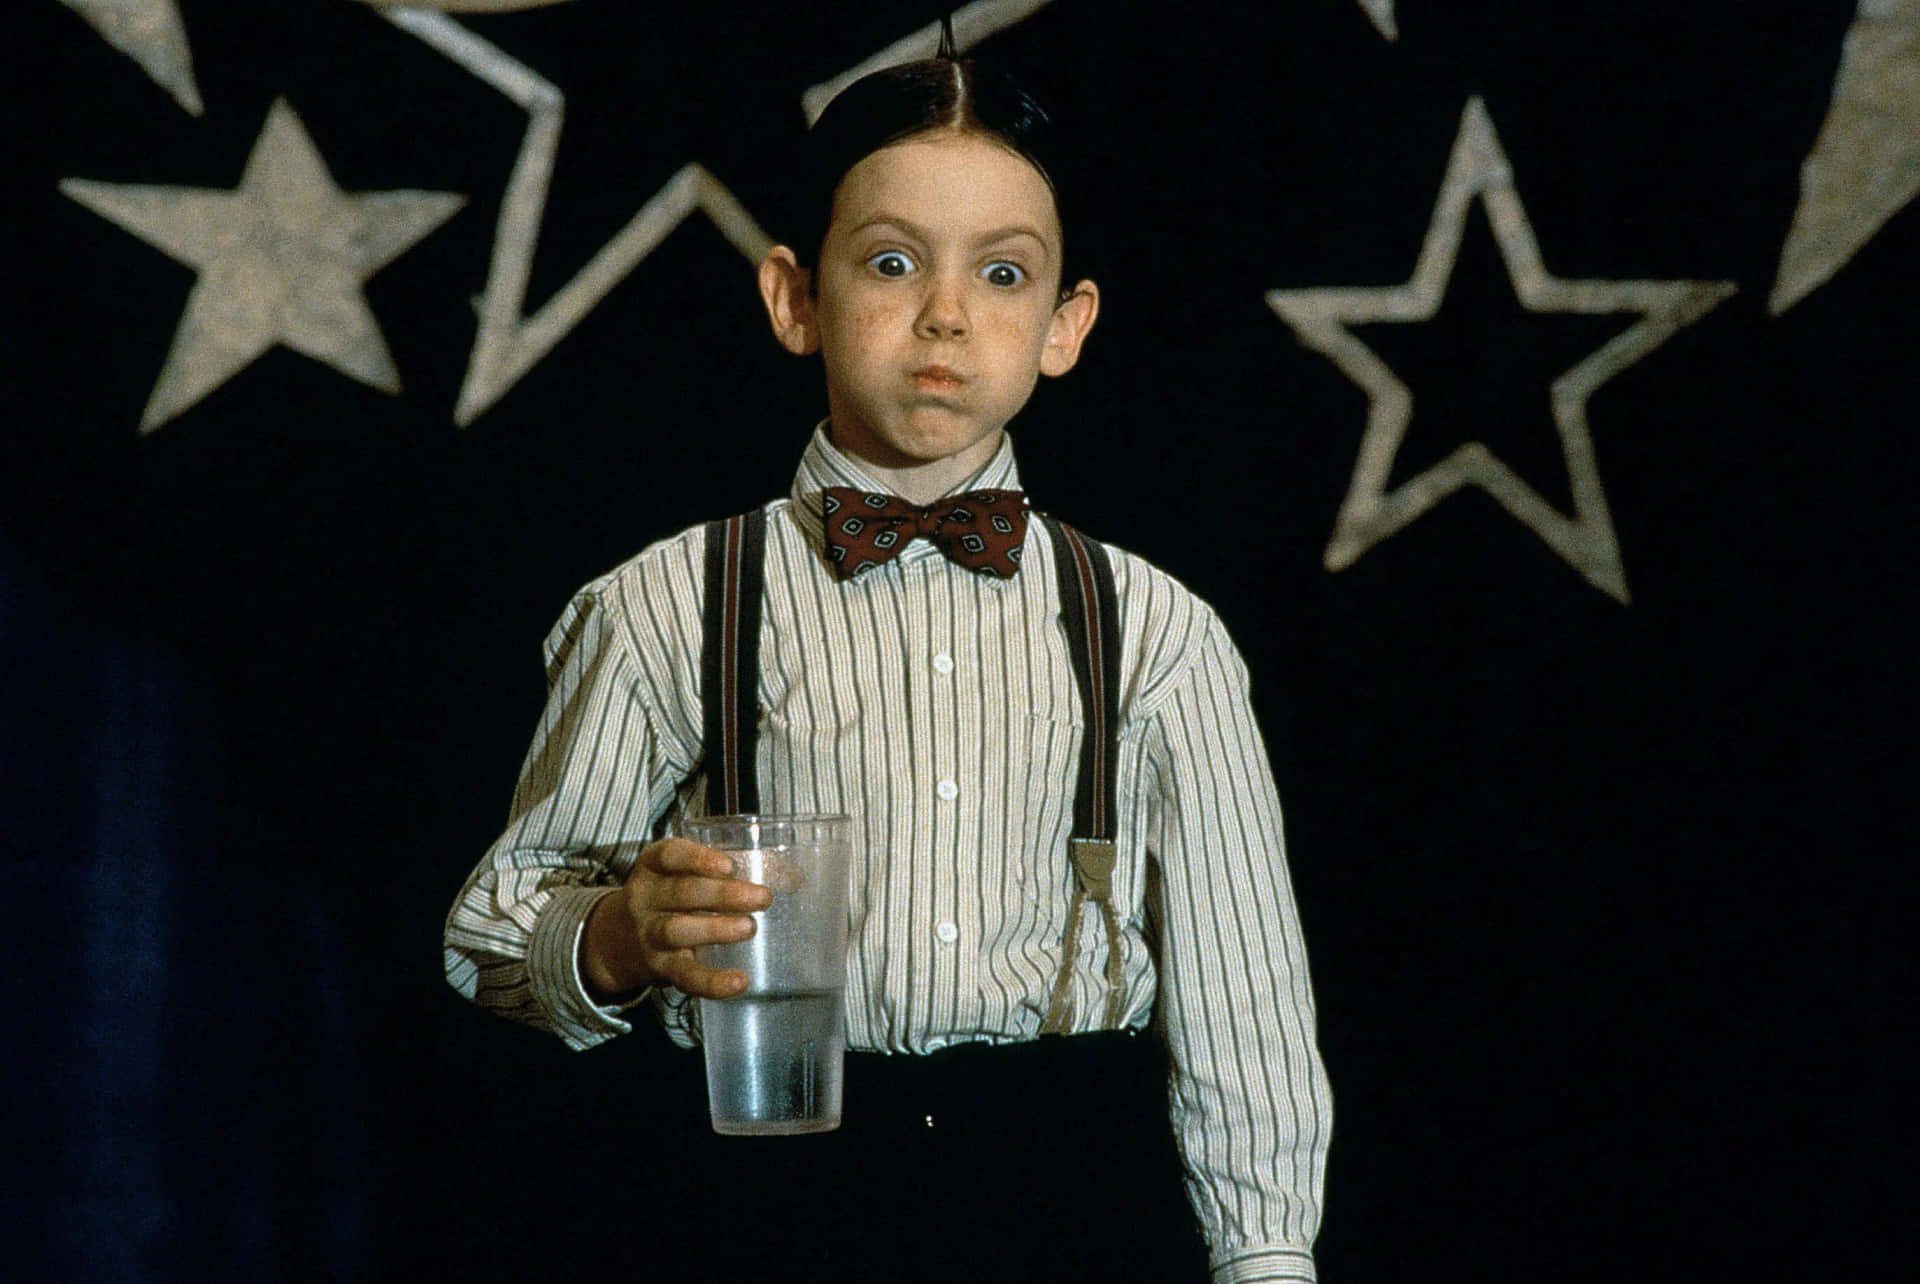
(979, 1085)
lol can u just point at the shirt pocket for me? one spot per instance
(1043, 771)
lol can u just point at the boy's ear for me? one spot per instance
(1068, 329)
(785, 287)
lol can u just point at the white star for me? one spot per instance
(465, 6)
(971, 25)
(1866, 166)
(281, 260)
(149, 32)
(1371, 512)
(509, 343)
(1381, 11)
(974, 23)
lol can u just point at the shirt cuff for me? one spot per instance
(553, 971)
(679, 1015)
(1266, 1264)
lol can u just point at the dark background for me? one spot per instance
(1600, 898)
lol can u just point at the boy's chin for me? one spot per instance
(924, 435)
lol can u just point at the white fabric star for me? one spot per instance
(510, 342)
(1381, 11)
(149, 32)
(971, 24)
(1865, 168)
(281, 260)
(464, 6)
(1320, 318)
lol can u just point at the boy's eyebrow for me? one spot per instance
(919, 233)
(1010, 231)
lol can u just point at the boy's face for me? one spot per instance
(936, 303)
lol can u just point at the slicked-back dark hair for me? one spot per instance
(897, 103)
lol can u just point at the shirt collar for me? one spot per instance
(823, 464)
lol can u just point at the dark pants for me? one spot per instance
(1044, 1161)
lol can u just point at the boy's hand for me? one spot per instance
(679, 895)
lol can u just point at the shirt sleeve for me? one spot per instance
(600, 772)
(1249, 1098)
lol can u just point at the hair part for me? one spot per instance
(889, 106)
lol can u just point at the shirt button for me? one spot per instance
(947, 931)
(947, 790)
(943, 663)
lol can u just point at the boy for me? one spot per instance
(937, 706)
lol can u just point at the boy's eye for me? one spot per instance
(1003, 273)
(891, 263)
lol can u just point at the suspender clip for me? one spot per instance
(1093, 860)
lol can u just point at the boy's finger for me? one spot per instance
(697, 892)
(687, 931)
(684, 856)
(689, 977)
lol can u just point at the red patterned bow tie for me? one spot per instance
(981, 529)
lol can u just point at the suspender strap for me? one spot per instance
(1092, 617)
(730, 662)
(1091, 613)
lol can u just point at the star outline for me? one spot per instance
(1371, 512)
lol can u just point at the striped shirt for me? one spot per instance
(937, 708)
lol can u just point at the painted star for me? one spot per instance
(972, 24)
(465, 6)
(281, 259)
(1865, 168)
(1381, 11)
(149, 32)
(1321, 318)
(510, 342)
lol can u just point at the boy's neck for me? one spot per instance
(919, 481)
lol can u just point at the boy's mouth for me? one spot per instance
(938, 379)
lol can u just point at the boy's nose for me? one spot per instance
(943, 315)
